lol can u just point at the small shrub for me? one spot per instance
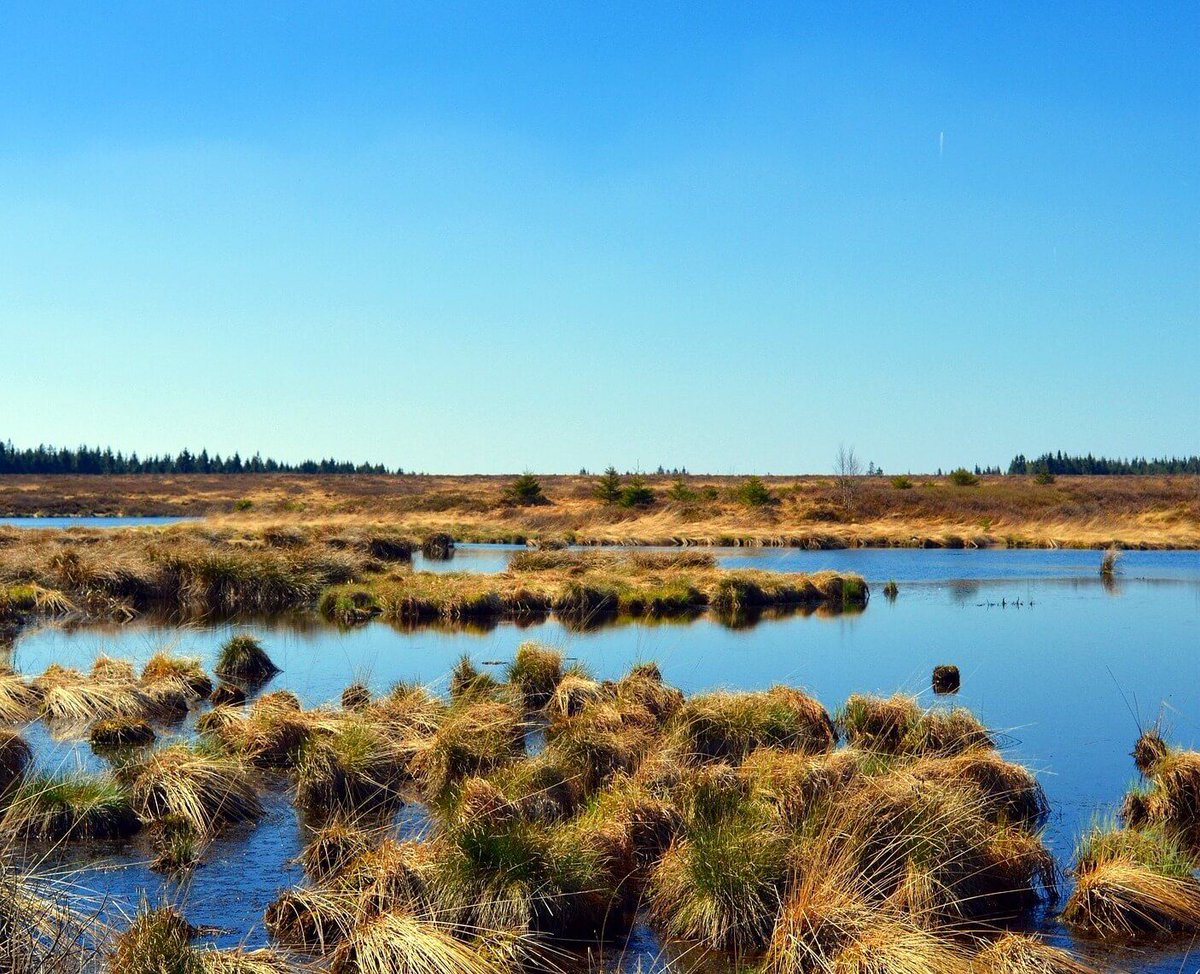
(891, 590)
(1043, 477)
(962, 477)
(636, 493)
(679, 491)
(525, 491)
(244, 504)
(754, 493)
(608, 486)
(902, 483)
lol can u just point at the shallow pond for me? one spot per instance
(879, 565)
(1064, 667)
(90, 522)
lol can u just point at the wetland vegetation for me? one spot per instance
(754, 828)
(807, 511)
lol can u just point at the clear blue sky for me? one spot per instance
(488, 237)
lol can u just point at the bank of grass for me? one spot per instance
(587, 584)
(201, 571)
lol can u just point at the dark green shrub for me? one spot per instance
(636, 493)
(962, 477)
(754, 493)
(608, 486)
(525, 491)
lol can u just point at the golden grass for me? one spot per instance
(206, 789)
(225, 570)
(1074, 511)
(1016, 953)
(18, 700)
(1133, 883)
(400, 943)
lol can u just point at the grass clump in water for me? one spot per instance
(243, 659)
(728, 726)
(74, 807)
(1171, 797)
(185, 671)
(1131, 883)
(120, 732)
(206, 788)
(536, 672)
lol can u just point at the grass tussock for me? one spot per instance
(1016, 953)
(68, 807)
(242, 659)
(536, 672)
(728, 726)
(355, 769)
(1170, 798)
(18, 700)
(15, 759)
(204, 788)
(184, 671)
(1133, 883)
(121, 732)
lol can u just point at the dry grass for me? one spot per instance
(1171, 797)
(18, 700)
(1075, 511)
(1133, 883)
(224, 570)
(74, 807)
(206, 789)
(1016, 953)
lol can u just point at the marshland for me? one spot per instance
(807, 511)
(241, 744)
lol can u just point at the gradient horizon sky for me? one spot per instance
(485, 237)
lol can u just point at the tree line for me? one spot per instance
(1067, 465)
(44, 459)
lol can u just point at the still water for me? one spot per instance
(90, 522)
(879, 565)
(1065, 668)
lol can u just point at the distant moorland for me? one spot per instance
(960, 509)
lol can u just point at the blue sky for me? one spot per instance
(486, 237)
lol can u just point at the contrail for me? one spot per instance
(941, 144)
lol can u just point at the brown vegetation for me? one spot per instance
(202, 570)
(810, 511)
